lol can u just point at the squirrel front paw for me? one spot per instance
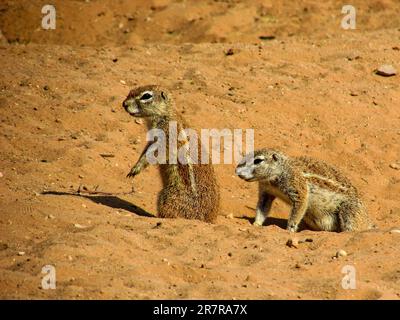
(134, 171)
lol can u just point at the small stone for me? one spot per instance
(394, 166)
(158, 225)
(79, 226)
(266, 37)
(230, 254)
(229, 216)
(393, 231)
(122, 82)
(139, 121)
(1, 175)
(50, 216)
(293, 243)
(46, 87)
(84, 205)
(166, 260)
(115, 60)
(229, 52)
(341, 253)
(297, 266)
(386, 70)
(353, 57)
(21, 253)
(70, 258)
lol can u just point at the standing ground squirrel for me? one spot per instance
(317, 192)
(189, 190)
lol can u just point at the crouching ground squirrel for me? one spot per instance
(318, 193)
(189, 190)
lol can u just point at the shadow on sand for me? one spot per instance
(107, 200)
(281, 223)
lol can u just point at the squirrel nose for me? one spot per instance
(127, 103)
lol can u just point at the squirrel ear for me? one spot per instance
(163, 95)
(275, 157)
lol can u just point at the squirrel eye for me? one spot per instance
(258, 161)
(146, 96)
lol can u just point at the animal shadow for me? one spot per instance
(281, 223)
(106, 200)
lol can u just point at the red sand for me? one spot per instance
(311, 91)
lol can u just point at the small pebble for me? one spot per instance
(393, 231)
(166, 260)
(122, 81)
(139, 121)
(293, 243)
(1, 175)
(229, 216)
(229, 52)
(341, 253)
(158, 224)
(394, 166)
(21, 253)
(386, 70)
(79, 226)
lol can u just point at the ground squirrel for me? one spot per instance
(189, 190)
(318, 193)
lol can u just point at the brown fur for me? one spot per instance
(319, 194)
(179, 197)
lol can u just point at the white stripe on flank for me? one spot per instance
(332, 182)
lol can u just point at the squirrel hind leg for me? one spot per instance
(353, 216)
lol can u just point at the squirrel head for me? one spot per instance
(147, 101)
(264, 164)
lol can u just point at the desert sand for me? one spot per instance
(304, 84)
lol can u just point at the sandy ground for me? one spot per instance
(311, 90)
